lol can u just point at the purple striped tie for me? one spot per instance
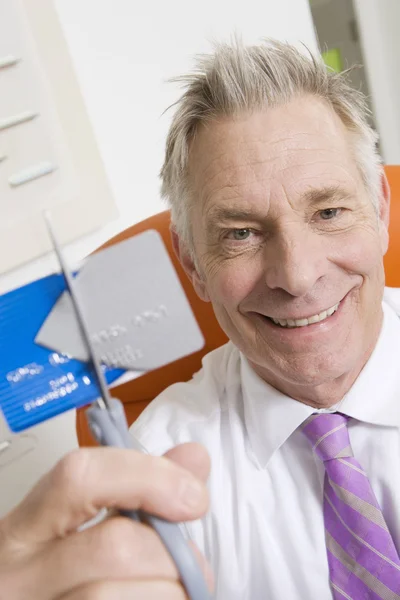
(363, 560)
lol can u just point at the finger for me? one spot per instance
(91, 478)
(193, 457)
(127, 590)
(115, 549)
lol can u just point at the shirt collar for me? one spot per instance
(271, 417)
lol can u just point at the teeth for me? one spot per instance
(301, 322)
(304, 322)
(313, 319)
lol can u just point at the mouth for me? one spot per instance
(305, 322)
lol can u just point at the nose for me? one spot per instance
(294, 261)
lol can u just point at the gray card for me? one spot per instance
(137, 312)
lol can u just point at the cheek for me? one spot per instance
(361, 254)
(233, 283)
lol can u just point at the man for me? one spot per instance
(280, 210)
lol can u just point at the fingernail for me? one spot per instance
(193, 493)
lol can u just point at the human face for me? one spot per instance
(284, 229)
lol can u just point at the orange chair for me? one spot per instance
(392, 258)
(137, 394)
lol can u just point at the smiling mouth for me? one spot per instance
(291, 323)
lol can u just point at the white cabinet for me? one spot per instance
(48, 154)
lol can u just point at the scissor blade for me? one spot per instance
(100, 379)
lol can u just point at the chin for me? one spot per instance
(304, 371)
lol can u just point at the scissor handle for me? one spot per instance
(110, 428)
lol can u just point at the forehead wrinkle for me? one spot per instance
(333, 174)
(245, 159)
(243, 143)
(232, 203)
(280, 159)
(243, 191)
(227, 179)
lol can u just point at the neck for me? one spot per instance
(324, 395)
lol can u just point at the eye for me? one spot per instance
(329, 213)
(239, 234)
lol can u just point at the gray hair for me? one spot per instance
(237, 79)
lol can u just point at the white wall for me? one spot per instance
(378, 22)
(124, 51)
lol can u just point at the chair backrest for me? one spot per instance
(137, 394)
(392, 258)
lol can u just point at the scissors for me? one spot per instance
(107, 422)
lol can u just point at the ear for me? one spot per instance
(186, 259)
(384, 212)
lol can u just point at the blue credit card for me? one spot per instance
(37, 383)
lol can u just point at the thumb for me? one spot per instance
(193, 457)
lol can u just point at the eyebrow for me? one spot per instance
(332, 192)
(314, 197)
(225, 213)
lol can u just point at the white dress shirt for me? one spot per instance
(264, 532)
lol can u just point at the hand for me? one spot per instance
(43, 557)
